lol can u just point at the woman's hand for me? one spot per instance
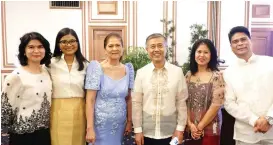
(128, 128)
(90, 135)
(195, 133)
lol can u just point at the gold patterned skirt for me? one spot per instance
(67, 122)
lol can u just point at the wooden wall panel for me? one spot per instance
(96, 38)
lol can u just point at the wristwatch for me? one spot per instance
(270, 120)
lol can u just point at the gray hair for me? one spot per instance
(156, 35)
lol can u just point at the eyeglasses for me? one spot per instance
(71, 42)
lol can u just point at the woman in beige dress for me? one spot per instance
(205, 88)
(68, 69)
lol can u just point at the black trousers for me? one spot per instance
(38, 137)
(151, 141)
(227, 129)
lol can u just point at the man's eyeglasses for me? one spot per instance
(71, 42)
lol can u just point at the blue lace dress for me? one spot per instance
(110, 107)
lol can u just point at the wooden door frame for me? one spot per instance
(91, 30)
(263, 30)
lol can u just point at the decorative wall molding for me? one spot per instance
(165, 15)
(6, 64)
(262, 23)
(83, 29)
(246, 22)
(135, 22)
(92, 29)
(10, 65)
(261, 29)
(214, 10)
(260, 11)
(107, 7)
(110, 18)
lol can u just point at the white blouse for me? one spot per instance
(26, 101)
(66, 84)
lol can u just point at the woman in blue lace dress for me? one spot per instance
(108, 98)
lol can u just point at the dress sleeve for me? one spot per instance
(131, 75)
(10, 93)
(188, 77)
(93, 75)
(218, 89)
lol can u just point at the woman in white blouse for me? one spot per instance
(26, 94)
(68, 69)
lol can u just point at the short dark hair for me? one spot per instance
(213, 63)
(58, 53)
(106, 39)
(155, 35)
(238, 29)
(25, 39)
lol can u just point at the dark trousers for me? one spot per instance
(151, 141)
(227, 129)
(38, 137)
(206, 140)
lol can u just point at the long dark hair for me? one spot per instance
(25, 39)
(58, 53)
(213, 63)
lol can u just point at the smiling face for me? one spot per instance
(35, 51)
(202, 55)
(114, 48)
(68, 44)
(156, 49)
(241, 45)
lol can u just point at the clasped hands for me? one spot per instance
(262, 125)
(196, 131)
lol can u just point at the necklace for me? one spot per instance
(198, 80)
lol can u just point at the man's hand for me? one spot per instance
(262, 125)
(139, 138)
(179, 135)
